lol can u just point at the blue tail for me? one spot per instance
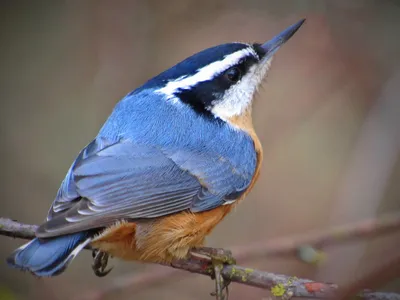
(49, 257)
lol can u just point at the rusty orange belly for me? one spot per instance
(162, 239)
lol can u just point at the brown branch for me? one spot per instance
(277, 246)
(279, 285)
(332, 236)
(389, 269)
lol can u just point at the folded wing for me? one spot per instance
(122, 180)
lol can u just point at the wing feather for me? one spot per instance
(110, 181)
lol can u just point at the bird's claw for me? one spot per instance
(219, 257)
(100, 261)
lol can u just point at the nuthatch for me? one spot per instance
(171, 161)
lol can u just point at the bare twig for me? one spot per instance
(277, 246)
(389, 269)
(279, 285)
(15, 229)
(332, 236)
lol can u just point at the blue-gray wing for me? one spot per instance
(123, 180)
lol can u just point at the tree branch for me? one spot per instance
(388, 269)
(279, 285)
(386, 224)
(15, 229)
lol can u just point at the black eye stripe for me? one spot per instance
(202, 96)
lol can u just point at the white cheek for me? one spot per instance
(240, 96)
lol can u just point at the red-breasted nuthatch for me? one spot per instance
(167, 166)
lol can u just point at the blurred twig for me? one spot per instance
(386, 272)
(277, 246)
(279, 285)
(332, 236)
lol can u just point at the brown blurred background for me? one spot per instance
(328, 117)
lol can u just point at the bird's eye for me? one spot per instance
(233, 74)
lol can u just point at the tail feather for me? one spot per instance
(49, 257)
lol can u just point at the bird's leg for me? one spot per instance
(220, 284)
(100, 261)
(218, 257)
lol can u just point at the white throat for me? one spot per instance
(239, 97)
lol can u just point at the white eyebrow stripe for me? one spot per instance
(206, 73)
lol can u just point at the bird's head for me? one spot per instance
(220, 82)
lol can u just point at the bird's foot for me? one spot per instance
(218, 257)
(100, 262)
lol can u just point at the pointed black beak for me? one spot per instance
(277, 41)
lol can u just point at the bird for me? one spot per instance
(174, 157)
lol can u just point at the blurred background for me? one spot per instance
(328, 118)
